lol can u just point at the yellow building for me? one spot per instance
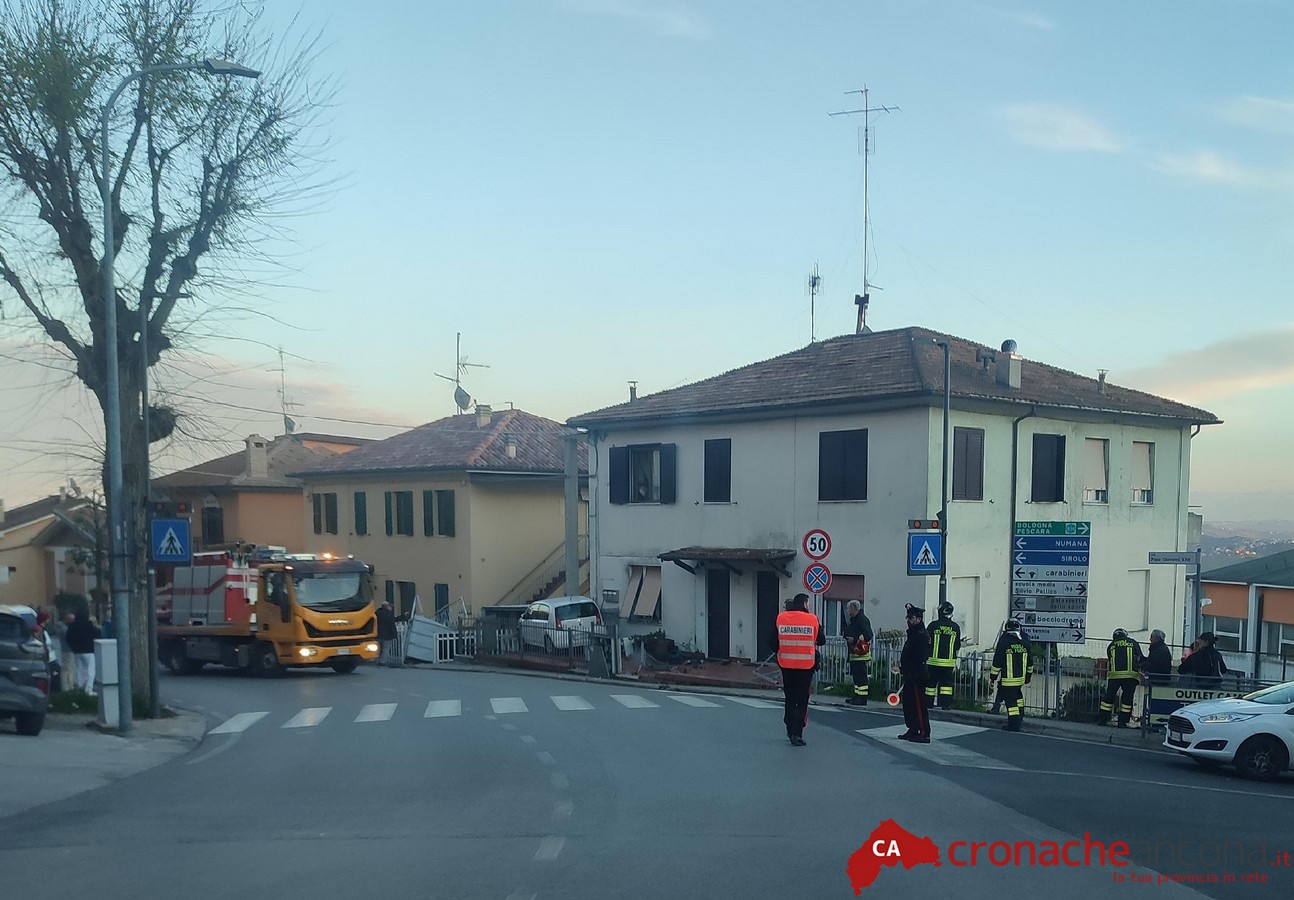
(47, 548)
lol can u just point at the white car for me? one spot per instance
(559, 623)
(1255, 733)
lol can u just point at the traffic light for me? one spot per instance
(164, 509)
(923, 524)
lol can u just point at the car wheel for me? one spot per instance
(29, 724)
(265, 661)
(344, 666)
(1261, 757)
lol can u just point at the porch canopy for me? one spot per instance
(730, 558)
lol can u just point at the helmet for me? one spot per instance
(1120, 633)
(945, 608)
(1012, 625)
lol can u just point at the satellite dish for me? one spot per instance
(462, 398)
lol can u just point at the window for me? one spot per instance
(833, 616)
(1143, 472)
(842, 465)
(325, 513)
(213, 525)
(644, 473)
(1230, 632)
(1278, 640)
(1096, 470)
(718, 471)
(428, 513)
(399, 512)
(361, 512)
(1048, 468)
(642, 597)
(441, 593)
(968, 463)
(445, 512)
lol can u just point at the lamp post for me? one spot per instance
(117, 519)
(943, 497)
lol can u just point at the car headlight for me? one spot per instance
(372, 648)
(307, 652)
(1218, 718)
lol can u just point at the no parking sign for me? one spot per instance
(817, 578)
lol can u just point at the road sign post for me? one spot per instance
(1049, 572)
(817, 578)
(925, 552)
(816, 544)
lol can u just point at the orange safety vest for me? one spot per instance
(797, 638)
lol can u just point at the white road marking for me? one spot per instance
(546, 758)
(634, 701)
(564, 810)
(938, 751)
(308, 718)
(550, 847)
(691, 700)
(569, 703)
(438, 709)
(560, 781)
(376, 712)
(528, 739)
(757, 704)
(509, 726)
(240, 722)
(503, 705)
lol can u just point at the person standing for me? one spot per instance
(799, 634)
(912, 666)
(81, 635)
(945, 641)
(66, 661)
(857, 632)
(1011, 667)
(1124, 658)
(1158, 665)
(387, 634)
(1206, 663)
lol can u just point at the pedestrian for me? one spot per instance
(945, 641)
(1011, 668)
(798, 635)
(387, 634)
(67, 662)
(81, 635)
(1206, 664)
(857, 631)
(1124, 658)
(912, 666)
(1158, 665)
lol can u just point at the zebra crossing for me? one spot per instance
(312, 717)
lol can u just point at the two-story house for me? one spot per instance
(702, 495)
(467, 511)
(51, 546)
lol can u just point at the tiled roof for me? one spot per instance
(458, 442)
(39, 509)
(903, 367)
(1276, 569)
(284, 454)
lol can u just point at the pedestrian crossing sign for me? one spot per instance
(925, 552)
(171, 541)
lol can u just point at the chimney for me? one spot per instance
(1008, 366)
(1100, 380)
(482, 415)
(510, 445)
(633, 391)
(258, 458)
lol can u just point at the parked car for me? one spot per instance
(1255, 733)
(559, 623)
(24, 670)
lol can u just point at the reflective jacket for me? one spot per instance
(1011, 659)
(857, 632)
(945, 641)
(1124, 655)
(797, 636)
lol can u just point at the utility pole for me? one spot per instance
(814, 283)
(861, 300)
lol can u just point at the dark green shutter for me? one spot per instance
(330, 513)
(390, 514)
(361, 512)
(316, 503)
(619, 458)
(428, 513)
(445, 500)
(668, 472)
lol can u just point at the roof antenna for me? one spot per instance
(462, 400)
(289, 424)
(861, 300)
(814, 283)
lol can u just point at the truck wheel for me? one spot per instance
(29, 724)
(344, 666)
(265, 661)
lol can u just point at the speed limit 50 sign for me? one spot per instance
(817, 544)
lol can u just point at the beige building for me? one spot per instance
(248, 496)
(464, 512)
(47, 548)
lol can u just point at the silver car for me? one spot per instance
(559, 623)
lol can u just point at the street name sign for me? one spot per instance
(1052, 589)
(1052, 635)
(1054, 620)
(1171, 558)
(1050, 604)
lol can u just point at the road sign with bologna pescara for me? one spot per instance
(817, 578)
(1049, 579)
(817, 544)
(171, 541)
(925, 550)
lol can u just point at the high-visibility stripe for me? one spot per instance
(797, 633)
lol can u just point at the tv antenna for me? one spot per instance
(815, 282)
(289, 425)
(462, 400)
(861, 300)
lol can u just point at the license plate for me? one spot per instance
(343, 651)
(1175, 737)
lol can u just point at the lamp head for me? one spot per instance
(224, 67)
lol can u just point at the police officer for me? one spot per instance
(857, 631)
(1124, 657)
(912, 666)
(1011, 665)
(945, 640)
(799, 634)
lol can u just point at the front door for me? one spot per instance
(766, 610)
(717, 613)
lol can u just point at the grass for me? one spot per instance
(78, 702)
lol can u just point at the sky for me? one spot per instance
(597, 191)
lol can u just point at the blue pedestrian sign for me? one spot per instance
(171, 541)
(925, 552)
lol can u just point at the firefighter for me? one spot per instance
(945, 640)
(1011, 665)
(912, 666)
(857, 631)
(799, 634)
(1125, 658)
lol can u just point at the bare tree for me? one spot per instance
(202, 173)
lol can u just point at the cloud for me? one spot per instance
(1214, 168)
(1226, 368)
(1262, 113)
(669, 19)
(1055, 127)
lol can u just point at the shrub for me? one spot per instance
(1081, 702)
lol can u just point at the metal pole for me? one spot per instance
(943, 498)
(150, 573)
(572, 473)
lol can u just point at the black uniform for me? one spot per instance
(945, 640)
(858, 627)
(1124, 658)
(1011, 670)
(912, 666)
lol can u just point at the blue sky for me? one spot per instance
(594, 191)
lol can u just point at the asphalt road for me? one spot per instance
(432, 783)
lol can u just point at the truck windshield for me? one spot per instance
(331, 591)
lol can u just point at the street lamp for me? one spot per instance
(117, 523)
(943, 497)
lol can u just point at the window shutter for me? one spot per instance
(330, 513)
(390, 590)
(1141, 465)
(668, 472)
(445, 501)
(718, 471)
(390, 513)
(428, 513)
(831, 466)
(1048, 468)
(975, 463)
(361, 512)
(404, 513)
(855, 465)
(316, 503)
(619, 477)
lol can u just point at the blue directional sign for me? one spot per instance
(1049, 563)
(925, 552)
(171, 541)
(1050, 558)
(1052, 543)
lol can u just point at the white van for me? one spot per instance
(559, 622)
